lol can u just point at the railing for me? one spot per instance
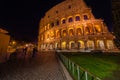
(76, 71)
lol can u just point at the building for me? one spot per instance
(4, 41)
(116, 19)
(70, 25)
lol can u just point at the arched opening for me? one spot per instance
(58, 34)
(48, 36)
(70, 19)
(110, 44)
(90, 26)
(51, 46)
(100, 44)
(90, 44)
(63, 45)
(63, 21)
(77, 18)
(71, 45)
(45, 27)
(79, 31)
(42, 46)
(80, 44)
(56, 45)
(85, 17)
(71, 33)
(64, 33)
(87, 30)
(97, 29)
(52, 34)
(47, 47)
(52, 24)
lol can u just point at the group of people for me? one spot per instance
(30, 51)
(27, 52)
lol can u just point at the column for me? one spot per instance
(85, 44)
(105, 42)
(95, 44)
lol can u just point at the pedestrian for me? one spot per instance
(34, 52)
(24, 52)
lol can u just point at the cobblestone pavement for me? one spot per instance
(42, 67)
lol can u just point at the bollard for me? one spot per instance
(73, 68)
(78, 71)
(86, 76)
(69, 65)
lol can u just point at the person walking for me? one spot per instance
(34, 52)
(24, 52)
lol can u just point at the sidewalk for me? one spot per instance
(44, 67)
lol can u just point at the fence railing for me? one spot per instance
(76, 71)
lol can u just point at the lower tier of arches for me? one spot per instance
(79, 45)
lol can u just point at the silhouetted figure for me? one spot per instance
(34, 52)
(25, 52)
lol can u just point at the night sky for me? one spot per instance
(21, 17)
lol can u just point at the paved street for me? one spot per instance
(42, 67)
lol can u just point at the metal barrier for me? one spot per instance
(76, 71)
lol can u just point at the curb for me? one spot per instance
(64, 71)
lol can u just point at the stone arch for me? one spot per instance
(90, 44)
(86, 17)
(64, 32)
(90, 26)
(110, 44)
(71, 32)
(56, 45)
(45, 27)
(42, 46)
(63, 45)
(63, 21)
(47, 46)
(87, 30)
(80, 44)
(70, 19)
(51, 46)
(77, 18)
(52, 34)
(100, 44)
(97, 28)
(79, 31)
(47, 36)
(58, 33)
(71, 45)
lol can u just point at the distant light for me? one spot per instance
(26, 45)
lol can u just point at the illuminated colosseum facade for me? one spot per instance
(70, 25)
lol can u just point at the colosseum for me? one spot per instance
(70, 25)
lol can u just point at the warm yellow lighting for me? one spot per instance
(52, 34)
(71, 33)
(63, 45)
(13, 42)
(90, 44)
(57, 33)
(64, 33)
(110, 44)
(81, 44)
(97, 27)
